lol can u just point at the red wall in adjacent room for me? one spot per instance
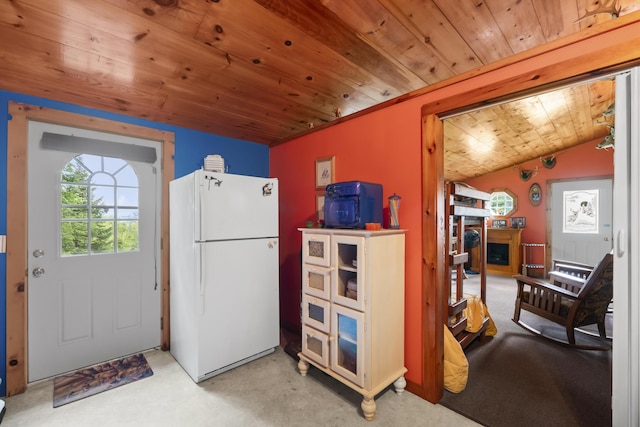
(580, 162)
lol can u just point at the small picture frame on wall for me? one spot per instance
(518, 222)
(325, 172)
(499, 223)
(535, 194)
(320, 206)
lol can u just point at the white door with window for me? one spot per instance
(93, 291)
(581, 220)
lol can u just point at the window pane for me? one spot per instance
(125, 213)
(127, 236)
(96, 192)
(502, 203)
(127, 177)
(74, 213)
(101, 195)
(102, 237)
(74, 172)
(71, 194)
(92, 162)
(112, 164)
(74, 238)
(101, 213)
(102, 179)
(105, 213)
(127, 196)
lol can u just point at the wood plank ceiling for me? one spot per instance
(268, 70)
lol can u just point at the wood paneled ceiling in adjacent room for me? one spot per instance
(268, 70)
(505, 135)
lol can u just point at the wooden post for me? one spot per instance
(433, 257)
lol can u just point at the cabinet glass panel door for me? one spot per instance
(347, 347)
(315, 249)
(315, 312)
(315, 345)
(316, 280)
(348, 274)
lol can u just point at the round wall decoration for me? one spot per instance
(535, 194)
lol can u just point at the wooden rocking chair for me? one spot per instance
(571, 301)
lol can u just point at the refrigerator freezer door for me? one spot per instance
(238, 309)
(235, 206)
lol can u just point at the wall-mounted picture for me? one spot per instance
(535, 194)
(325, 170)
(320, 206)
(518, 222)
(580, 211)
(499, 223)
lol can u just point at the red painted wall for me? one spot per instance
(383, 147)
(579, 162)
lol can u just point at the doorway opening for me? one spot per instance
(519, 176)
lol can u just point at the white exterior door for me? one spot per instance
(93, 291)
(581, 220)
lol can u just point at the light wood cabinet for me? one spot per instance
(353, 309)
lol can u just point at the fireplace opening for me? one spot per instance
(498, 253)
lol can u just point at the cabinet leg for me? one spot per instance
(368, 406)
(303, 367)
(400, 384)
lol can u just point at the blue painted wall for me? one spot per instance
(191, 147)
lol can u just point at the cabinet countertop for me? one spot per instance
(353, 232)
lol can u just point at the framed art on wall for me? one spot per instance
(499, 223)
(535, 194)
(518, 222)
(325, 169)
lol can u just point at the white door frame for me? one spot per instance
(626, 239)
(16, 260)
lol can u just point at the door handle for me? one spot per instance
(38, 253)
(620, 243)
(38, 271)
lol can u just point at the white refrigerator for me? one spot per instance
(223, 271)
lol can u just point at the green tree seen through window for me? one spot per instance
(90, 224)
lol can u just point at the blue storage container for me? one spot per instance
(352, 204)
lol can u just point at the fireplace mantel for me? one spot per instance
(508, 236)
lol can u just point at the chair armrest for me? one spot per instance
(548, 287)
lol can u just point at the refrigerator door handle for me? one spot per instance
(202, 278)
(199, 214)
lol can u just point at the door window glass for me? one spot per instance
(99, 206)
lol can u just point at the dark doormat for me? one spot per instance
(86, 382)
